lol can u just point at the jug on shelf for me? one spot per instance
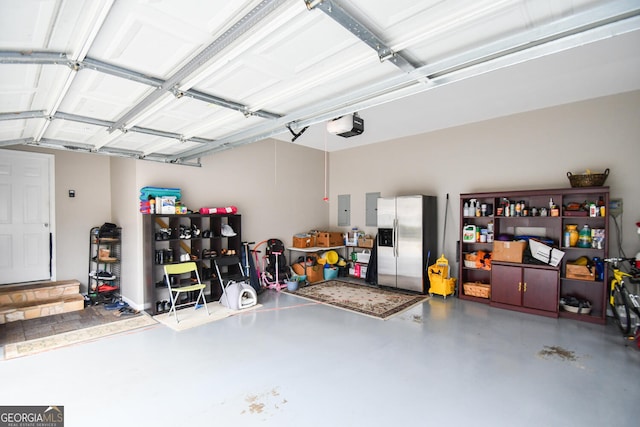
(584, 237)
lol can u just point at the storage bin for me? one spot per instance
(325, 239)
(365, 242)
(477, 289)
(330, 273)
(304, 242)
(580, 272)
(315, 273)
(470, 260)
(363, 256)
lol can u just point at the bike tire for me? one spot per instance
(633, 311)
(620, 306)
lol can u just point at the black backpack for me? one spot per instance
(108, 229)
(273, 246)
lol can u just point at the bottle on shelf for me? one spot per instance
(601, 207)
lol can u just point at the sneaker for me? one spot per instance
(115, 305)
(102, 275)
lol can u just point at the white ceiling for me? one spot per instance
(175, 80)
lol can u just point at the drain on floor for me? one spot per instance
(559, 352)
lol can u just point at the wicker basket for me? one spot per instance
(477, 289)
(588, 179)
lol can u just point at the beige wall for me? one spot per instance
(124, 212)
(523, 151)
(278, 186)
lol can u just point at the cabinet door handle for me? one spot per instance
(525, 286)
(519, 286)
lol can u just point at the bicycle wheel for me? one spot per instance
(620, 310)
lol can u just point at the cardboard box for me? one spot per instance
(325, 239)
(304, 242)
(365, 242)
(315, 273)
(580, 272)
(545, 253)
(510, 251)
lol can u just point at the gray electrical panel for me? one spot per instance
(344, 210)
(371, 209)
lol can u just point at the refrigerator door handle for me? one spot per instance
(395, 237)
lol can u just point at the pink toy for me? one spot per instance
(225, 210)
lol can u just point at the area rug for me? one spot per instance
(190, 318)
(361, 299)
(39, 345)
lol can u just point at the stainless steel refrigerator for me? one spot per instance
(407, 237)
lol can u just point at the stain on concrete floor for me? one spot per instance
(558, 353)
(261, 403)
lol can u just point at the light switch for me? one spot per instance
(72, 193)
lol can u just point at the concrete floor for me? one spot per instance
(294, 363)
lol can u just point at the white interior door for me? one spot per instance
(25, 216)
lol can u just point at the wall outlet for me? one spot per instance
(615, 207)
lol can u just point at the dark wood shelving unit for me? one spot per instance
(209, 240)
(534, 288)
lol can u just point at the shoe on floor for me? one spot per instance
(115, 305)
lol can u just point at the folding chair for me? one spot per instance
(237, 293)
(176, 291)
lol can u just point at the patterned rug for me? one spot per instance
(361, 299)
(26, 348)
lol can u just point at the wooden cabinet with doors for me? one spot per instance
(532, 289)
